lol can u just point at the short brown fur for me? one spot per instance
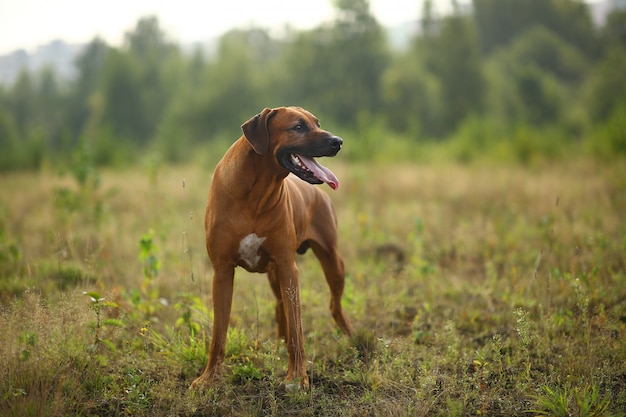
(251, 193)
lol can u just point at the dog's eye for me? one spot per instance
(298, 128)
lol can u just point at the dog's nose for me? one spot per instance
(335, 143)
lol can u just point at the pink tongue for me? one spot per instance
(322, 173)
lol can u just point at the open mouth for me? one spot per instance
(308, 169)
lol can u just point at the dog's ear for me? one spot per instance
(256, 130)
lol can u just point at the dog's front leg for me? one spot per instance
(222, 302)
(289, 279)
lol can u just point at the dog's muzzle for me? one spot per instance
(301, 161)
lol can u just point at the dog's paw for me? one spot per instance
(295, 385)
(202, 383)
(291, 387)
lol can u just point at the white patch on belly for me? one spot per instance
(249, 249)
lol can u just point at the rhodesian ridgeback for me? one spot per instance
(258, 216)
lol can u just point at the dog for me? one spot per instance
(259, 215)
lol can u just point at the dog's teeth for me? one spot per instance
(296, 161)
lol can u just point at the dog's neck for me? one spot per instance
(265, 188)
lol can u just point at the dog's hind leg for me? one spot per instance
(334, 271)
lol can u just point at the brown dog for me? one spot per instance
(258, 217)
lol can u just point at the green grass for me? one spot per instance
(474, 290)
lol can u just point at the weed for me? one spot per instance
(147, 255)
(192, 312)
(153, 165)
(245, 372)
(146, 300)
(525, 332)
(553, 402)
(564, 402)
(97, 304)
(590, 403)
(366, 344)
(136, 389)
(27, 341)
(85, 198)
(183, 348)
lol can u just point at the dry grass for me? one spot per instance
(476, 290)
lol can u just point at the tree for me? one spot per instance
(336, 69)
(452, 56)
(614, 30)
(22, 103)
(412, 98)
(8, 140)
(499, 22)
(232, 85)
(544, 49)
(24, 119)
(50, 115)
(123, 110)
(606, 88)
(427, 20)
(136, 89)
(148, 41)
(90, 65)
(532, 79)
(538, 93)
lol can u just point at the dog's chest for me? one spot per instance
(249, 250)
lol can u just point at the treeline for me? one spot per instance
(532, 74)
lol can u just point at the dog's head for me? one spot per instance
(294, 138)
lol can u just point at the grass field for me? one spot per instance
(474, 290)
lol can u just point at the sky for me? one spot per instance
(27, 24)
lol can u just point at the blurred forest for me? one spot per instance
(534, 75)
